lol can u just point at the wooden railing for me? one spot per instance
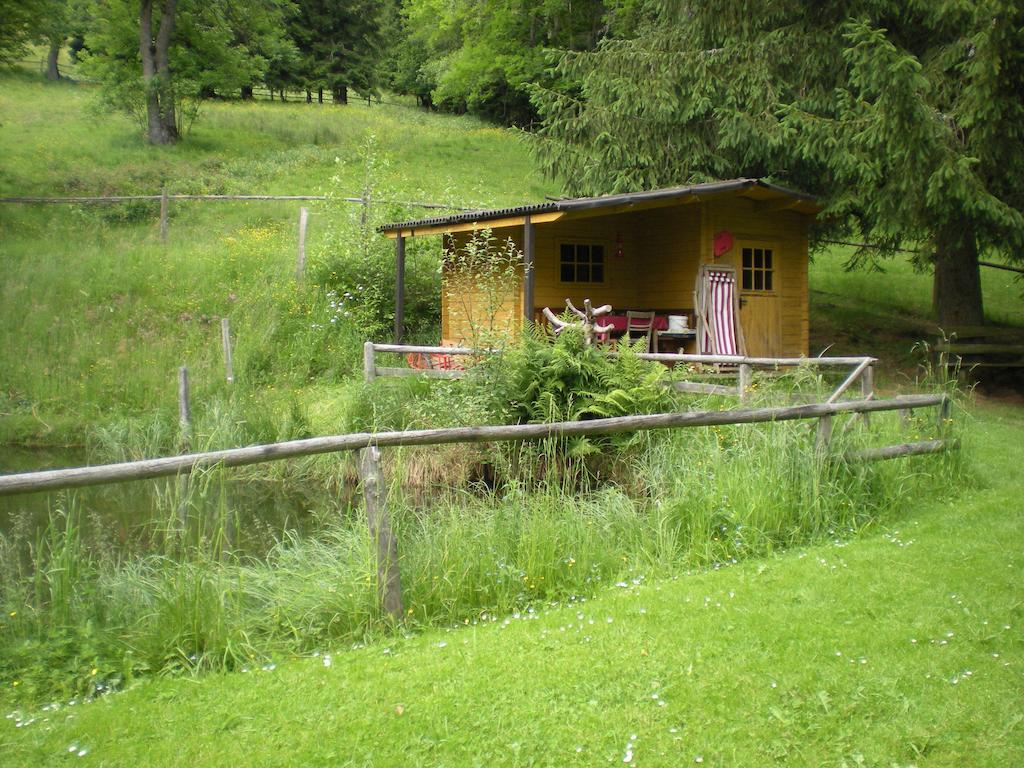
(862, 368)
(370, 443)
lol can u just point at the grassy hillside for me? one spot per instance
(902, 647)
(96, 314)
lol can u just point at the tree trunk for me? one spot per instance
(309, 96)
(52, 72)
(283, 98)
(319, 95)
(340, 94)
(247, 93)
(156, 72)
(956, 294)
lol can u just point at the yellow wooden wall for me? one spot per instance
(661, 252)
(786, 232)
(471, 311)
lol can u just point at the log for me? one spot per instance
(256, 454)
(700, 388)
(389, 585)
(434, 373)
(405, 349)
(864, 365)
(903, 449)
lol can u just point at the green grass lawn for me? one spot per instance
(901, 647)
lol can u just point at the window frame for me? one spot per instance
(576, 244)
(754, 270)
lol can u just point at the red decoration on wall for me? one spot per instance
(723, 242)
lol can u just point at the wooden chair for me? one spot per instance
(640, 325)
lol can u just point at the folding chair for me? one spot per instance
(718, 311)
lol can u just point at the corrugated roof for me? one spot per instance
(583, 203)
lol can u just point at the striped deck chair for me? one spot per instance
(718, 311)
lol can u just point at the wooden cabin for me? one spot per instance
(636, 251)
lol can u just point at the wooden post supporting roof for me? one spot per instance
(399, 288)
(529, 281)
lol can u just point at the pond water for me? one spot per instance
(130, 516)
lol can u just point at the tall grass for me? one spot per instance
(703, 497)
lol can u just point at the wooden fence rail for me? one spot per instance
(233, 457)
(388, 576)
(863, 367)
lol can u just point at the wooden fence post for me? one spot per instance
(300, 262)
(225, 340)
(369, 362)
(165, 204)
(943, 414)
(389, 583)
(824, 436)
(867, 389)
(744, 381)
(184, 442)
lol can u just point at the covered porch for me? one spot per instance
(639, 251)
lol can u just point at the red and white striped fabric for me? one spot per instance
(719, 300)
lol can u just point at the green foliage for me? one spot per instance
(217, 46)
(355, 265)
(479, 56)
(903, 118)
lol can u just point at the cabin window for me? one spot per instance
(758, 269)
(581, 263)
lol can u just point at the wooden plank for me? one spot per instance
(389, 584)
(256, 454)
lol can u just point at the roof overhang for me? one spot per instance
(769, 197)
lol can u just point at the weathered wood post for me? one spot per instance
(943, 414)
(184, 442)
(824, 435)
(225, 340)
(300, 260)
(529, 279)
(369, 362)
(399, 287)
(165, 205)
(389, 585)
(743, 385)
(867, 388)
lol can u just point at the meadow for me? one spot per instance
(739, 553)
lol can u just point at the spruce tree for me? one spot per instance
(904, 117)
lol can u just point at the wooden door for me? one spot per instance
(758, 278)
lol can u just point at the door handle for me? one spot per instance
(743, 301)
